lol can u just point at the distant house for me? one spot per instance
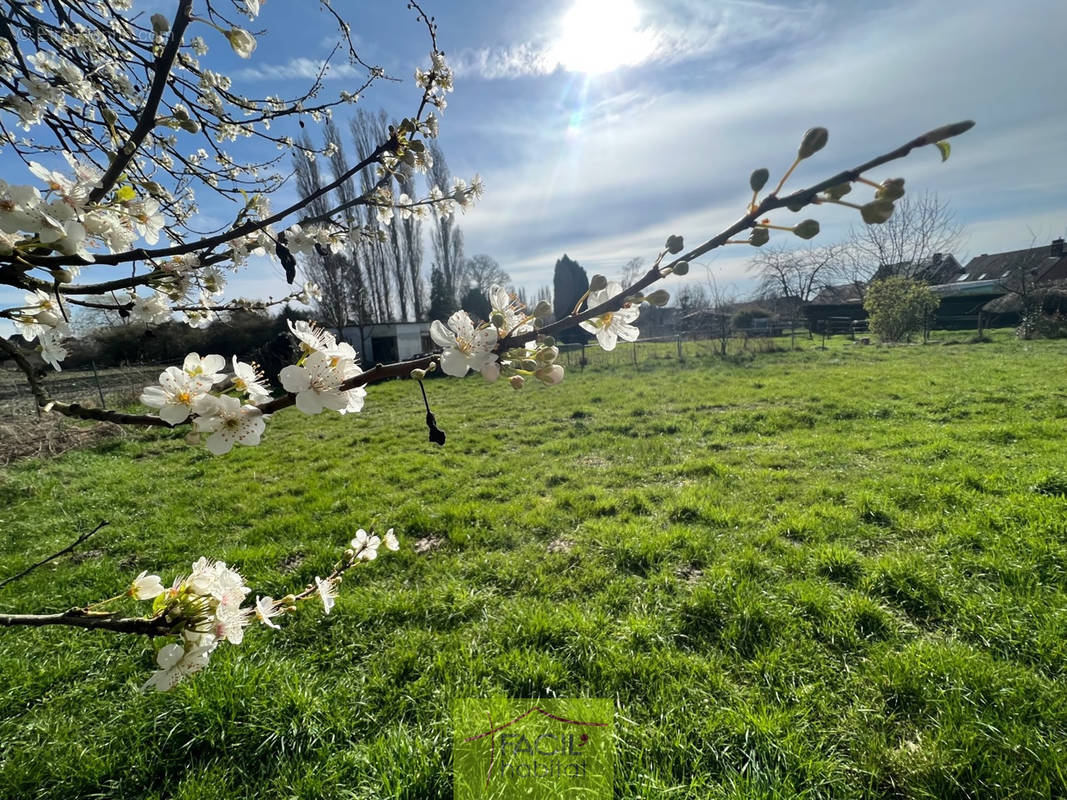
(989, 282)
(938, 268)
(389, 342)
(836, 308)
(840, 308)
(965, 291)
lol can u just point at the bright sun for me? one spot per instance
(601, 35)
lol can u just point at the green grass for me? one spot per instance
(836, 573)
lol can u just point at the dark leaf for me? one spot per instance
(437, 436)
(288, 260)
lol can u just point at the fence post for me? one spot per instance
(96, 377)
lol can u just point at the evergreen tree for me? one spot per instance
(569, 283)
(442, 299)
(476, 304)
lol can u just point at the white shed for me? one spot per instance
(389, 342)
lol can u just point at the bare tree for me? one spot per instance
(373, 255)
(921, 226)
(721, 300)
(632, 270)
(411, 232)
(482, 272)
(328, 270)
(446, 236)
(795, 276)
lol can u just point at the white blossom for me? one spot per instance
(315, 385)
(613, 325)
(266, 609)
(508, 311)
(327, 590)
(228, 422)
(154, 310)
(390, 540)
(465, 347)
(365, 546)
(145, 587)
(242, 42)
(51, 348)
(175, 395)
(248, 380)
(209, 367)
(175, 662)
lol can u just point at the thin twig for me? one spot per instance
(54, 556)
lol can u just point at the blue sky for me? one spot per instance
(603, 163)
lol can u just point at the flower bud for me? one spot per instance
(758, 179)
(808, 229)
(947, 131)
(497, 319)
(529, 365)
(877, 211)
(516, 381)
(63, 275)
(814, 140)
(432, 367)
(289, 599)
(892, 189)
(190, 125)
(160, 24)
(660, 297)
(547, 341)
(839, 191)
(759, 237)
(543, 309)
(674, 245)
(681, 268)
(418, 374)
(550, 376)
(242, 42)
(598, 283)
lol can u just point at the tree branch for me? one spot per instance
(147, 120)
(382, 372)
(771, 202)
(83, 618)
(54, 556)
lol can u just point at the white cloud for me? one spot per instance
(678, 31)
(300, 68)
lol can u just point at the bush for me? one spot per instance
(898, 307)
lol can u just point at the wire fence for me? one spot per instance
(110, 388)
(694, 346)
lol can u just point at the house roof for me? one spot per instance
(1039, 261)
(937, 268)
(841, 294)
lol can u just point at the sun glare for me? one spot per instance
(601, 35)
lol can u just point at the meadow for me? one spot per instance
(834, 573)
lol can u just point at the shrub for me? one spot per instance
(898, 307)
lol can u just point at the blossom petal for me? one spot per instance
(453, 363)
(441, 335)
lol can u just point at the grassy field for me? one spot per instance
(836, 573)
